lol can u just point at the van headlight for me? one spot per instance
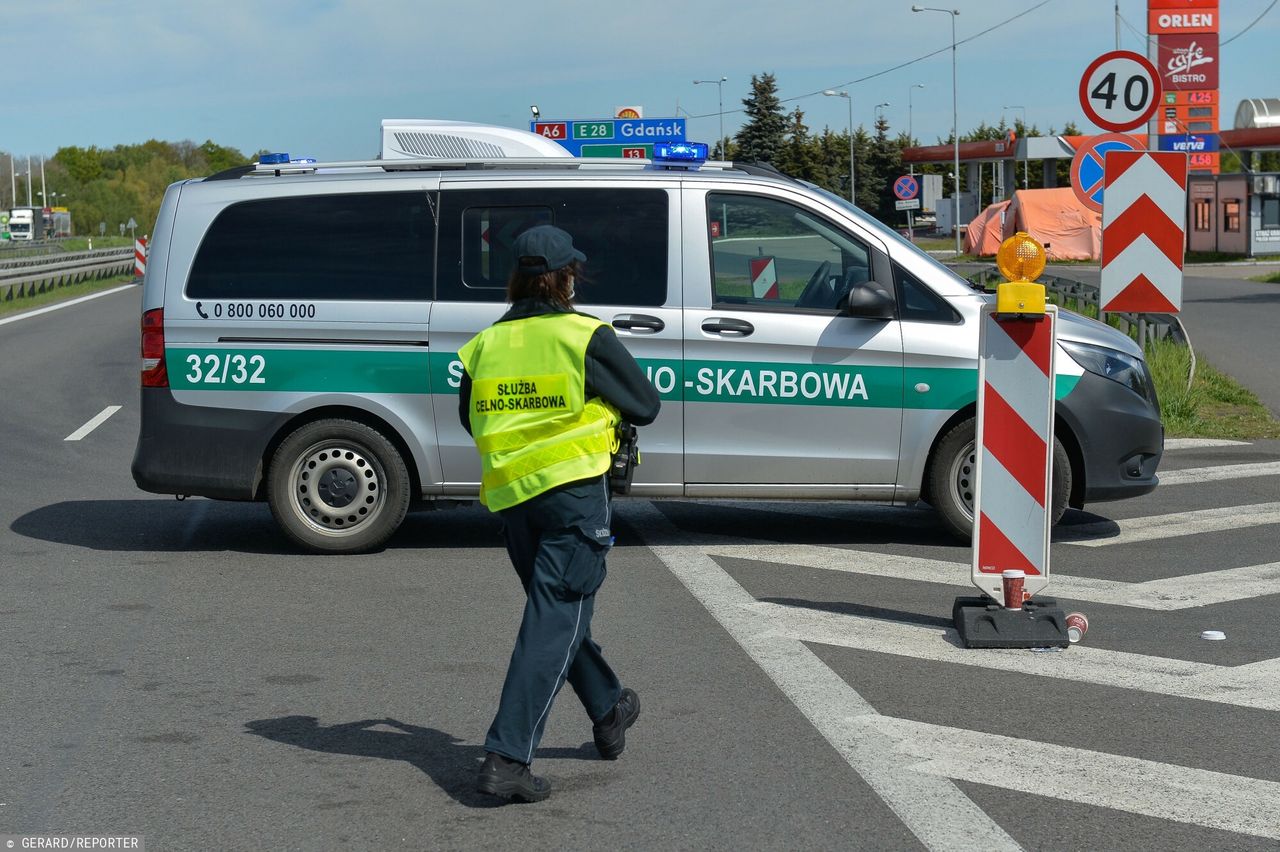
(1115, 365)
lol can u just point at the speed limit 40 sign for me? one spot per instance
(1120, 90)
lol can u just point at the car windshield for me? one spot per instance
(888, 233)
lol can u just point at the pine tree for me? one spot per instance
(763, 136)
(799, 154)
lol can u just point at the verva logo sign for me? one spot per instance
(1178, 21)
(1189, 62)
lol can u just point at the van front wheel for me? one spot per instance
(953, 478)
(338, 486)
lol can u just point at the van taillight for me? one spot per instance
(154, 374)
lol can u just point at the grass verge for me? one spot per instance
(1214, 406)
(1273, 278)
(61, 294)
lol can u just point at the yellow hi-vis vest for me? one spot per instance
(529, 417)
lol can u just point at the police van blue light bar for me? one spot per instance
(687, 153)
(273, 159)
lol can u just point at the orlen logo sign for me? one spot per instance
(1178, 21)
(1189, 62)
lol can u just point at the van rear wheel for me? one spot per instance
(338, 486)
(953, 478)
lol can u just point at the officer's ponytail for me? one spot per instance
(555, 287)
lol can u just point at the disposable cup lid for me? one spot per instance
(1213, 634)
(1013, 573)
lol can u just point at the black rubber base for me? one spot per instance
(983, 623)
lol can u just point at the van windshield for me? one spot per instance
(888, 233)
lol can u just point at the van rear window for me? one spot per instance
(368, 246)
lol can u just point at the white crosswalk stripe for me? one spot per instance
(897, 757)
(1196, 475)
(1159, 527)
(1256, 686)
(1169, 593)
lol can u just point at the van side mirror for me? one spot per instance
(869, 301)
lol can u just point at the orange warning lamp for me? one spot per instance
(1020, 260)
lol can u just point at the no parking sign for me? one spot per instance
(1088, 166)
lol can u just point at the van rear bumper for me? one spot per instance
(201, 451)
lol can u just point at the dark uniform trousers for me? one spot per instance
(557, 542)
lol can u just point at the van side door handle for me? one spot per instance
(735, 327)
(640, 323)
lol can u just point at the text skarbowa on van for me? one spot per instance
(301, 323)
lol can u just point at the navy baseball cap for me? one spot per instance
(549, 244)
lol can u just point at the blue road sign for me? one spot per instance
(1193, 143)
(1088, 166)
(626, 132)
(906, 188)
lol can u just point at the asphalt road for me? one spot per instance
(174, 670)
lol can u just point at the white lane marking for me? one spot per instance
(1169, 526)
(1176, 793)
(38, 311)
(1165, 594)
(1217, 472)
(1256, 685)
(937, 812)
(1200, 443)
(97, 420)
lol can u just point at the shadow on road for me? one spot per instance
(878, 612)
(198, 525)
(442, 757)
(1267, 298)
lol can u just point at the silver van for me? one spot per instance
(300, 324)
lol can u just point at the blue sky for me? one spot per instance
(314, 78)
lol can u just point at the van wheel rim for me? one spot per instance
(964, 478)
(337, 488)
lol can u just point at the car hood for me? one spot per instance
(1082, 329)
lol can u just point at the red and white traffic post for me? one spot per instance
(140, 257)
(1013, 498)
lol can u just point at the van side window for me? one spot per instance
(917, 303)
(772, 255)
(367, 246)
(623, 233)
(487, 235)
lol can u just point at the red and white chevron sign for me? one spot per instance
(764, 277)
(1144, 207)
(1014, 451)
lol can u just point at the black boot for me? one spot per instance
(511, 779)
(610, 733)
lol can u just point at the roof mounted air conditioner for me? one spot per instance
(414, 138)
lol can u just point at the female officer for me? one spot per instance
(542, 394)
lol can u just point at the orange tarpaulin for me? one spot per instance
(986, 231)
(1055, 217)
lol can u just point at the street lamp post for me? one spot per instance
(955, 121)
(911, 138)
(831, 93)
(879, 110)
(1024, 131)
(724, 146)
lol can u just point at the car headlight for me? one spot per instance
(1115, 365)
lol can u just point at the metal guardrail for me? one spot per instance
(22, 280)
(1076, 295)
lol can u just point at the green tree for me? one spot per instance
(799, 157)
(762, 138)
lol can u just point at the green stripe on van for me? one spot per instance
(308, 370)
(753, 382)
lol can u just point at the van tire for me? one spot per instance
(952, 478)
(338, 486)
